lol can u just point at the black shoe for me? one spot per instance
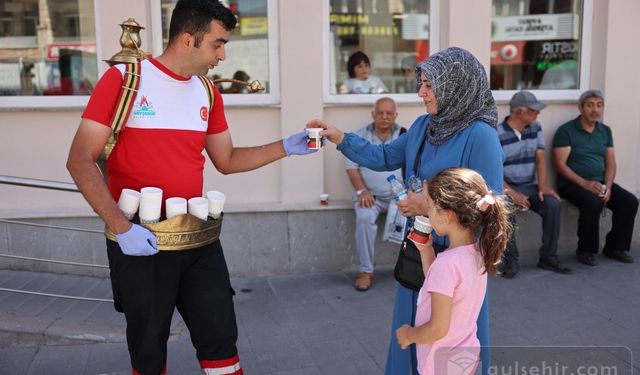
(553, 264)
(510, 269)
(621, 256)
(587, 258)
(509, 274)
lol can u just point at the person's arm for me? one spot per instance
(86, 147)
(366, 199)
(435, 329)
(383, 157)
(229, 159)
(541, 171)
(609, 171)
(516, 197)
(427, 254)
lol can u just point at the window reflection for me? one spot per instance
(535, 44)
(47, 47)
(393, 34)
(248, 48)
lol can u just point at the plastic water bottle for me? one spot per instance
(414, 182)
(399, 191)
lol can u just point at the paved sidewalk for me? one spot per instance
(318, 324)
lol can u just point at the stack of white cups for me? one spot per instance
(150, 205)
(129, 202)
(175, 206)
(199, 207)
(216, 203)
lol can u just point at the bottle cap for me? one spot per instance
(391, 177)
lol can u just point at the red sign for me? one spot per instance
(507, 53)
(53, 50)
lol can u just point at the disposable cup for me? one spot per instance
(175, 206)
(150, 205)
(129, 202)
(314, 141)
(324, 199)
(216, 203)
(199, 207)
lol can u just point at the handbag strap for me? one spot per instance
(417, 160)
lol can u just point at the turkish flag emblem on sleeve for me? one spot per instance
(204, 113)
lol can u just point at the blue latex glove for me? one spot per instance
(296, 144)
(137, 241)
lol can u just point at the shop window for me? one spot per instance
(248, 44)
(374, 46)
(537, 44)
(47, 48)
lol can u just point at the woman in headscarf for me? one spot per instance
(457, 131)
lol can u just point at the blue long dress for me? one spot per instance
(476, 147)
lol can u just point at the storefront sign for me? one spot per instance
(534, 27)
(507, 53)
(345, 25)
(53, 49)
(253, 26)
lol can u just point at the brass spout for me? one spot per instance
(254, 86)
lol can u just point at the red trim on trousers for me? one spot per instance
(220, 363)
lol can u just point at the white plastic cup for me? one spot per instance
(314, 141)
(175, 206)
(216, 203)
(324, 199)
(150, 205)
(199, 207)
(129, 202)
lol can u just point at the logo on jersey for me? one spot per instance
(143, 108)
(204, 113)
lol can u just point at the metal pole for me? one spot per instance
(36, 183)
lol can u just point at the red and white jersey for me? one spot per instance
(162, 141)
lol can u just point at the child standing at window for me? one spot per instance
(461, 207)
(361, 81)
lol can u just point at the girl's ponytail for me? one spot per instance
(496, 231)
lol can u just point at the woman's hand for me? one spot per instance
(332, 133)
(414, 205)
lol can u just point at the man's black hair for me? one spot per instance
(194, 17)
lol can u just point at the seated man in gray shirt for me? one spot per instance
(523, 145)
(372, 190)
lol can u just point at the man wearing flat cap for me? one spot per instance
(586, 165)
(525, 180)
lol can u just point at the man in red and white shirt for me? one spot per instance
(161, 145)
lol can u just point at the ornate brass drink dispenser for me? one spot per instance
(130, 42)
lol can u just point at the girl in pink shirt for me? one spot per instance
(460, 206)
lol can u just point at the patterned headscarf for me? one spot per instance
(462, 93)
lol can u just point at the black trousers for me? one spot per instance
(148, 288)
(622, 203)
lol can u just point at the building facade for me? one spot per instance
(53, 51)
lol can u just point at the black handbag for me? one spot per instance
(408, 270)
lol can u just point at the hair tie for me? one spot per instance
(485, 202)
